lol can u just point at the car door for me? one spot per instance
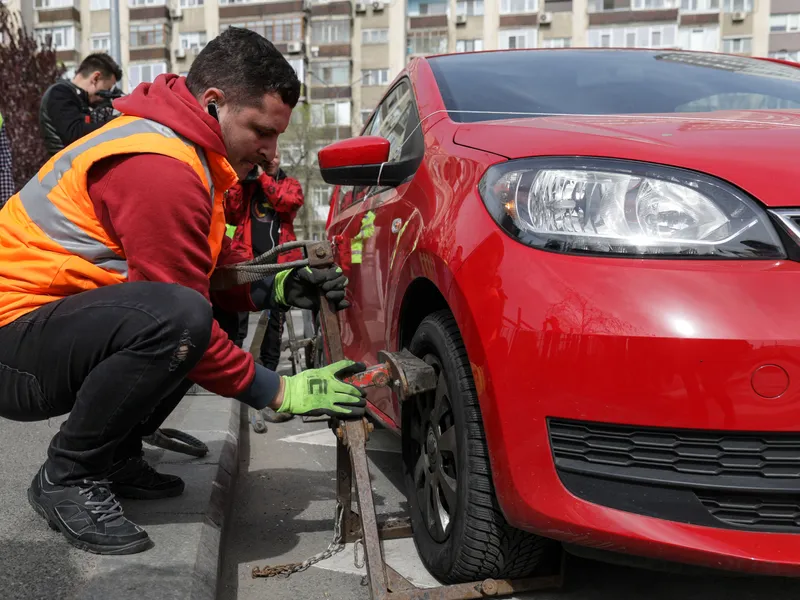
(384, 212)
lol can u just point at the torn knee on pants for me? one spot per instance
(181, 353)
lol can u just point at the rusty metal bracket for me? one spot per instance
(352, 468)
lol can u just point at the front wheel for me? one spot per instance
(459, 530)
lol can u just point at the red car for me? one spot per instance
(598, 251)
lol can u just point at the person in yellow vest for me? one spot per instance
(105, 308)
(6, 165)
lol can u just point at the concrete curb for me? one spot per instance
(208, 565)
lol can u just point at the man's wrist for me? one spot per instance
(277, 402)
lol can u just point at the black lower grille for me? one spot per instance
(754, 512)
(682, 457)
(738, 480)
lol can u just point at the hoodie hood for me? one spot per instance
(168, 101)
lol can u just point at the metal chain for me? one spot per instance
(334, 547)
(358, 565)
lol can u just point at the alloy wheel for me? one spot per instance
(433, 439)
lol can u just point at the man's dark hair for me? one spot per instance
(245, 66)
(100, 61)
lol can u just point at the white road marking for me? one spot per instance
(379, 441)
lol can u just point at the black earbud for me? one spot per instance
(212, 110)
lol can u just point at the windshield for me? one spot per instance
(608, 82)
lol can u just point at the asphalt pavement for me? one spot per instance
(283, 508)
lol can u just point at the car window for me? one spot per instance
(500, 85)
(397, 120)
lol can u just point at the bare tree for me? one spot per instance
(299, 145)
(26, 70)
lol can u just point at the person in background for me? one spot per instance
(6, 165)
(260, 212)
(65, 114)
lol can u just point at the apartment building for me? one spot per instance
(345, 53)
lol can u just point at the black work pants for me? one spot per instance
(236, 326)
(115, 358)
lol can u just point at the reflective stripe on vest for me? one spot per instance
(52, 243)
(41, 210)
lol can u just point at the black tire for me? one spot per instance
(477, 542)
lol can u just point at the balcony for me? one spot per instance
(52, 11)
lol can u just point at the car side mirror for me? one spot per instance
(362, 161)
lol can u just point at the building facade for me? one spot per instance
(345, 53)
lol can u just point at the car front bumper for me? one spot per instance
(657, 348)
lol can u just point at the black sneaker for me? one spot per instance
(88, 515)
(135, 478)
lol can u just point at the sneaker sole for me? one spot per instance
(137, 493)
(55, 525)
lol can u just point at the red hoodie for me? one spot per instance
(156, 208)
(285, 196)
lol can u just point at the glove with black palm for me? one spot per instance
(300, 288)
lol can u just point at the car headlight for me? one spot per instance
(615, 207)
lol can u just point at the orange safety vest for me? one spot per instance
(52, 245)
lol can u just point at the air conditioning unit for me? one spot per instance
(361, 7)
(738, 17)
(176, 13)
(294, 47)
(377, 6)
(314, 50)
(180, 53)
(545, 18)
(461, 19)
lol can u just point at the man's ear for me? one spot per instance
(212, 96)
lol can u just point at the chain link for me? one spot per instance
(334, 547)
(359, 542)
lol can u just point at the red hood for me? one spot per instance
(168, 101)
(757, 150)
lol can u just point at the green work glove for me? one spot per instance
(301, 287)
(320, 392)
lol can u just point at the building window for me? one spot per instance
(191, 3)
(195, 40)
(135, 3)
(330, 113)
(791, 56)
(600, 5)
(321, 196)
(703, 39)
(742, 45)
(427, 42)
(738, 6)
(145, 73)
(417, 9)
(275, 30)
(100, 5)
(471, 8)
(515, 7)
(469, 45)
(644, 36)
(784, 22)
(366, 113)
(654, 4)
(332, 73)
(100, 42)
(53, 3)
(698, 6)
(299, 66)
(374, 76)
(147, 35)
(513, 39)
(60, 38)
(330, 32)
(374, 36)
(557, 43)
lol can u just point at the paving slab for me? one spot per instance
(38, 563)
